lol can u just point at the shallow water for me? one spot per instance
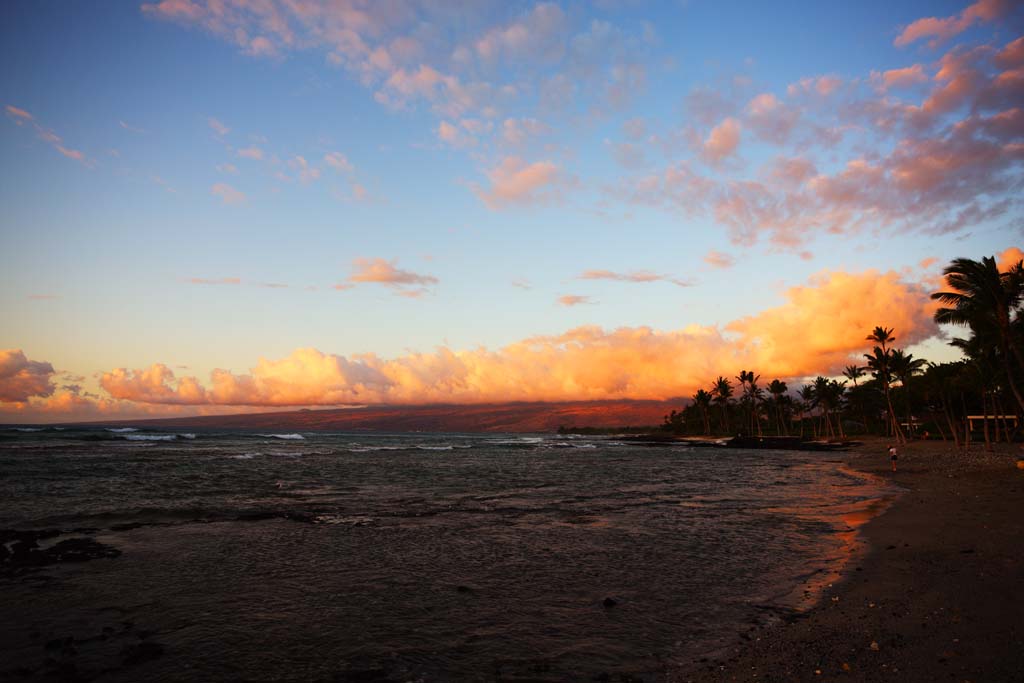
(404, 557)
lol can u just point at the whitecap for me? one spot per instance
(121, 430)
(149, 437)
(187, 435)
(26, 429)
(290, 437)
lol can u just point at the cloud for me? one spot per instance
(254, 153)
(770, 119)
(307, 173)
(379, 271)
(219, 128)
(791, 340)
(454, 136)
(941, 30)
(131, 128)
(19, 115)
(574, 300)
(227, 194)
(634, 276)
(1009, 257)
(517, 183)
(717, 259)
(899, 78)
(227, 168)
(517, 132)
(339, 162)
(723, 141)
(538, 34)
(214, 281)
(21, 378)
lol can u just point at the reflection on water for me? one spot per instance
(402, 557)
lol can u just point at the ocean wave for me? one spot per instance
(149, 437)
(121, 430)
(25, 429)
(187, 435)
(244, 456)
(288, 437)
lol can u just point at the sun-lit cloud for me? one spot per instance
(339, 162)
(900, 78)
(574, 300)
(633, 276)
(787, 341)
(722, 141)
(1009, 257)
(939, 30)
(307, 172)
(21, 378)
(254, 153)
(131, 129)
(380, 271)
(218, 127)
(227, 194)
(214, 281)
(718, 259)
(514, 182)
(47, 135)
(19, 115)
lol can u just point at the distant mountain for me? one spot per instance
(490, 417)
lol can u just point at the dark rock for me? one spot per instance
(609, 602)
(142, 652)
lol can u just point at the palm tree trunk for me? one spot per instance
(897, 432)
(984, 421)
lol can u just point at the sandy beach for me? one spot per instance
(938, 595)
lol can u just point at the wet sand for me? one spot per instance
(939, 595)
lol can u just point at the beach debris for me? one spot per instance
(874, 645)
(846, 667)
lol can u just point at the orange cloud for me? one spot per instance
(403, 282)
(514, 182)
(819, 328)
(943, 29)
(21, 378)
(899, 78)
(722, 141)
(214, 281)
(227, 194)
(634, 276)
(1009, 258)
(574, 300)
(717, 259)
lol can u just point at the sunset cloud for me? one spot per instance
(21, 378)
(21, 117)
(214, 281)
(379, 271)
(940, 30)
(788, 341)
(722, 141)
(517, 183)
(1009, 258)
(227, 194)
(254, 153)
(574, 300)
(219, 128)
(633, 276)
(717, 259)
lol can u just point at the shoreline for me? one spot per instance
(937, 594)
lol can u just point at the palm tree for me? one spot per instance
(878, 361)
(904, 366)
(853, 373)
(809, 399)
(702, 399)
(777, 389)
(723, 395)
(985, 300)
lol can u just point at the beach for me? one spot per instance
(938, 597)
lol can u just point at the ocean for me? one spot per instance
(232, 555)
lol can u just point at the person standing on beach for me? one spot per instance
(892, 457)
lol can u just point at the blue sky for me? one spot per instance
(457, 169)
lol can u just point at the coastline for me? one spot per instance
(937, 596)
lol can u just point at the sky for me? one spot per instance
(215, 206)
